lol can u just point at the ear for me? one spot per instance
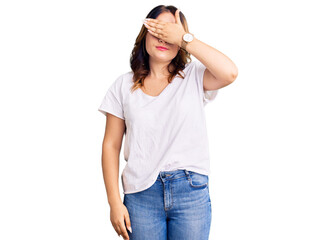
(177, 17)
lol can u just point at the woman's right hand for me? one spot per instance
(118, 216)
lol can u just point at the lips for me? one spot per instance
(161, 48)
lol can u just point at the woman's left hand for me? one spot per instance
(167, 31)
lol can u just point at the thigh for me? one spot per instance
(190, 216)
(147, 216)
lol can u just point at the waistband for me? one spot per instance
(173, 174)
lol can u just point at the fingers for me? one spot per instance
(154, 23)
(157, 32)
(121, 230)
(128, 222)
(153, 29)
(153, 33)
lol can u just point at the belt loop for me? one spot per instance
(186, 172)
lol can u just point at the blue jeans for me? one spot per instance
(177, 206)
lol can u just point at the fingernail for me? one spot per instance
(130, 229)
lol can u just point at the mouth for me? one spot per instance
(161, 48)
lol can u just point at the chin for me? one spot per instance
(162, 59)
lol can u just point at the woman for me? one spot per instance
(159, 105)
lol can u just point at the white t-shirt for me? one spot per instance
(165, 132)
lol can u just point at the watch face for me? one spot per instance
(188, 37)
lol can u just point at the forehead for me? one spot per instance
(166, 17)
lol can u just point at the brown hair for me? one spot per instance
(140, 58)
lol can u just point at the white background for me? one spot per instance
(271, 132)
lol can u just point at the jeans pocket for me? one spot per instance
(197, 180)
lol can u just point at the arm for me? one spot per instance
(220, 70)
(114, 132)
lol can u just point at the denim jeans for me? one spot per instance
(177, 206)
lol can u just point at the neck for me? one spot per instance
(158, 70)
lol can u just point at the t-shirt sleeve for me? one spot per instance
(112, 102)
(207, 96)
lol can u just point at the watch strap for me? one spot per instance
(184, 43)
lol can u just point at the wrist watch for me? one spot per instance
(187, 38)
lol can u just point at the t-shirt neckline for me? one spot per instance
(165, 89)
(160, 92)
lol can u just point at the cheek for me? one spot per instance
(175, 49)
(149, 39)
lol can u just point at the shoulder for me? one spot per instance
(197, 64)
(189, 65)
(194, 68)
(122, 80)
(193, 65)
(125, 77)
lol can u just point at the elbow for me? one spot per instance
(234, 75)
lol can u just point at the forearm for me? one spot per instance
(110, 167)
(218, 63)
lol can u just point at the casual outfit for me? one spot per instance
(164, 134)
(176, 207)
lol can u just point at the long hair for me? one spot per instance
(140, 58)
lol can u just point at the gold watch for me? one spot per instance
(187, 38)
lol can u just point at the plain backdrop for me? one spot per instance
(271, 132)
